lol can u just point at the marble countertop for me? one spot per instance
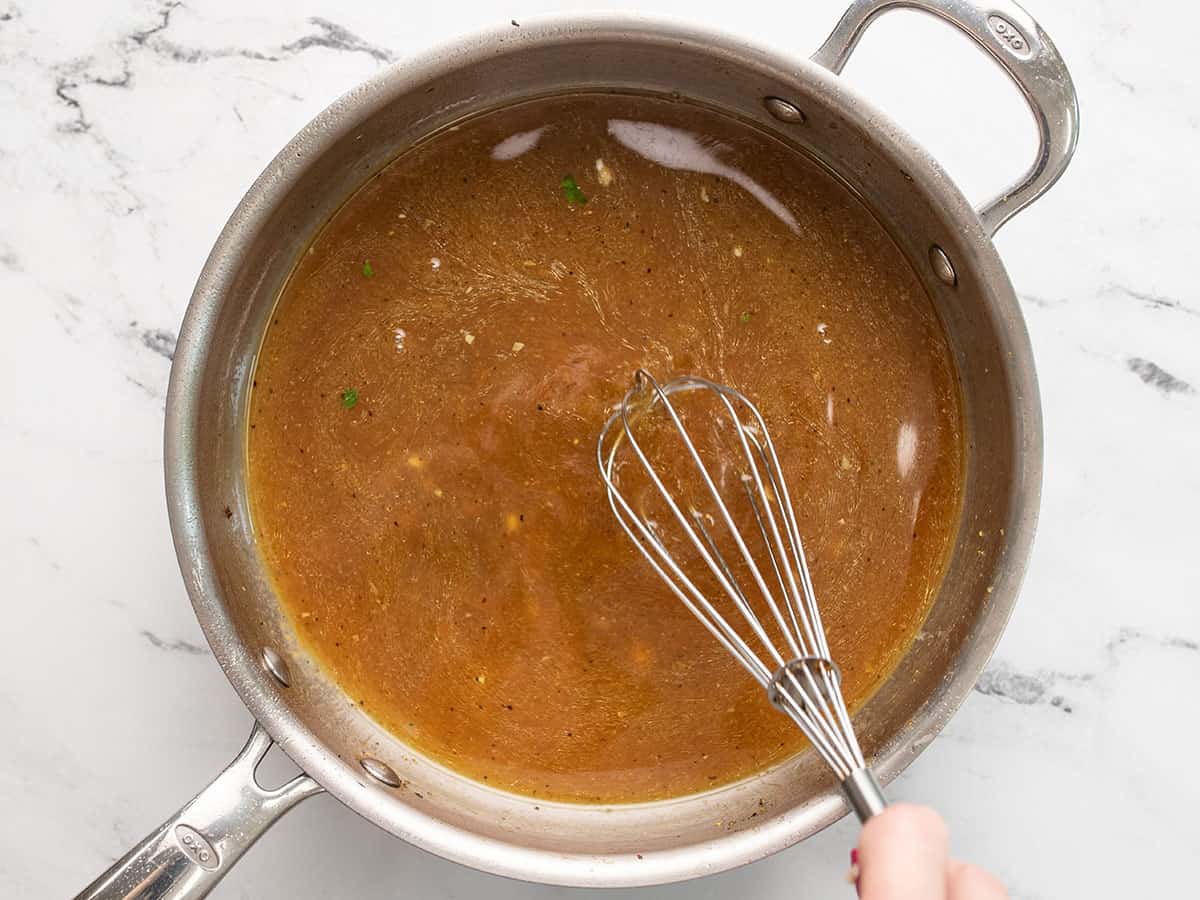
(128, 131)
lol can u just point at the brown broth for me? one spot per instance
(443, 546)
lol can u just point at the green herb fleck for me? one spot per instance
(572, 191)
(368, 272)
(746, 317)
(349, 398)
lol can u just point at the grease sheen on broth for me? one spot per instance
(441, 540)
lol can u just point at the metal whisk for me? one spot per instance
(723, 537)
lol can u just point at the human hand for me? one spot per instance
(904, 854)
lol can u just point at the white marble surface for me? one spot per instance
(128, 131)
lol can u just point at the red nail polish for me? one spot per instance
(854, 872)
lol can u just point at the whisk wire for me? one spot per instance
(752, 564)
(809, 627)
(721, 569)
(803, 597)
(687, 523)
(800, 635)
(703, 541)
(695, 601)
(798, 672)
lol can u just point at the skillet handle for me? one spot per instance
(189, 853)
(1014, 40)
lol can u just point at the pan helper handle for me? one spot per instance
(1014, 40)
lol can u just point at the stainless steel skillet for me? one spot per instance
(341, 750)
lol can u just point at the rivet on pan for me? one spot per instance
(782, 110)
(276, 666)
(942, 267)
(380, 771)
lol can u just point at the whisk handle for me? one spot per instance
(864, 794)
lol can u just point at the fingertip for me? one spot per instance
(903, 854)
(905, 823)
(969, 882)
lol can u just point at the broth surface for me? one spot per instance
(422, 468)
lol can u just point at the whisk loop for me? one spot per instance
(699, 550)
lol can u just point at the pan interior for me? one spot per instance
(423, 479)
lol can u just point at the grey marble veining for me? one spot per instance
(128, 131)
